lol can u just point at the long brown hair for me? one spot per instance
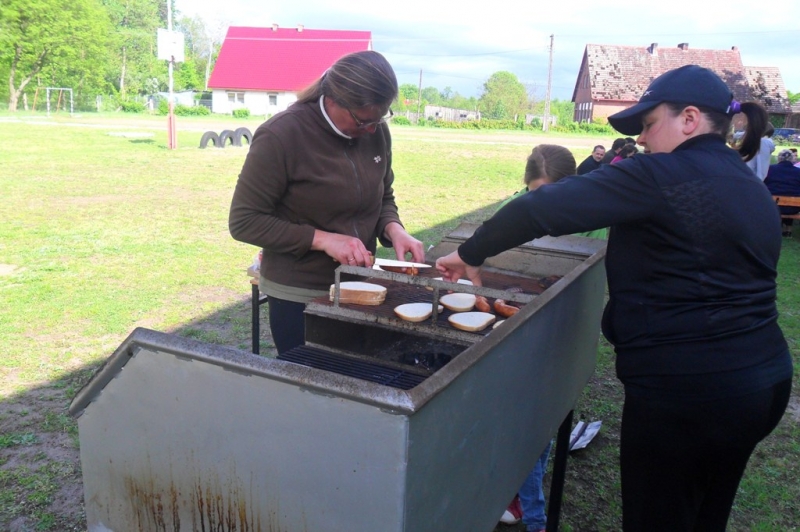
(356, 80)
(549, 161)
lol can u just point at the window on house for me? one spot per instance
(236, 97)
(273, 98)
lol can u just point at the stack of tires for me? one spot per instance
(226, 137)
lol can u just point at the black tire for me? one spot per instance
(225, 136)
(242, 133)
(209, 136)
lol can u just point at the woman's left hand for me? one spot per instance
(404, 243)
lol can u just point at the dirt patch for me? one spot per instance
(7, 270)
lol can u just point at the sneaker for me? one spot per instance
(513, 513)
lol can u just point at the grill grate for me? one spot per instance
(399, 293)
(342, 365)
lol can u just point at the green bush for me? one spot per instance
(241, 113)
(131, 106)
(401, 121)
(593, 128)
(597, 128)
(163, 107)
(197, 110)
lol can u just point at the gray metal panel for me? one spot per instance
(173, 430)
(472, 445)
(173, 443)
(240, 361)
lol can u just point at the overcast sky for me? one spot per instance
(459, 44)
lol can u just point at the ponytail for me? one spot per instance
(757, 122)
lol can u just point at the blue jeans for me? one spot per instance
(531, 495)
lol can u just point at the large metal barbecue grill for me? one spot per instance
(374, 424)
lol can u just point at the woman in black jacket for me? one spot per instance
(691, 263)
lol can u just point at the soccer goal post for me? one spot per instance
(61, 91)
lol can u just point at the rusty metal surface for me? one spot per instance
(175, 443)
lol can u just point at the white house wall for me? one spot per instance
(256, 101)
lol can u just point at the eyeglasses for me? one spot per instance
(364, 125)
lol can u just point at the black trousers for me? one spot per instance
(682, 460)
(286, 323)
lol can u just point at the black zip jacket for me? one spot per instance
(691, 260)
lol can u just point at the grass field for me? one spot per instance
(102, 229)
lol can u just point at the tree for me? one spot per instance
(136, 23)
(203, 41)
(503, 96)
(431, 96)
(54, 39)
(186, 76)
(408, 91)
(794, 97)
(563, 110)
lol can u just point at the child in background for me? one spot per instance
(547, 163)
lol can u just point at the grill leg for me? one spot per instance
(256, 317)
(559, 471)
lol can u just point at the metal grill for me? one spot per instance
(409, 289)
(360, 369)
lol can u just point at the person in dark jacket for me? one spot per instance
(691, 295)
(592, 162)
(628, 150)
(783, 179)
(614, 151)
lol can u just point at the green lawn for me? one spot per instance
(101, 233)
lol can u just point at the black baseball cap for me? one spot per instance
(690, 84)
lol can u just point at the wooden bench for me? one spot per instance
(788, 201)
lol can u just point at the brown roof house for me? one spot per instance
(613, 78)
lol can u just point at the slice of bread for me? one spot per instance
(415, 312)
(471, 321)
(359, 293)
(458, 302)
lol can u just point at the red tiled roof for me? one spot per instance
(622, 73)
(281, 59)
(768, 88)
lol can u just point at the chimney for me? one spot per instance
(734, 48)
(684, 46)
(652, 49)
(299, 28)
(274, 27)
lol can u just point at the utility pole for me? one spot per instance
(419, 95)
(172, 135)
(546, 124)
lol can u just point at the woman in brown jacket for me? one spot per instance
(316, 189)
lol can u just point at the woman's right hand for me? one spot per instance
(342, 248)
(453, 268)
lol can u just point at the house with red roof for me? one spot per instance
(613, 78)
(263, 69)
